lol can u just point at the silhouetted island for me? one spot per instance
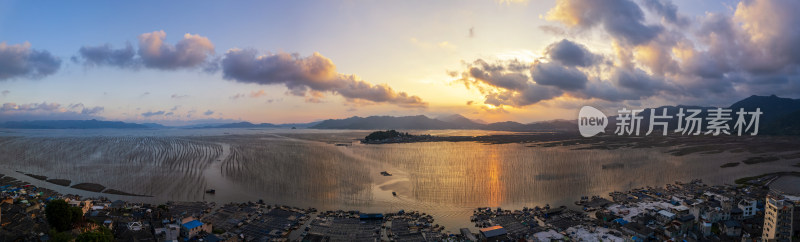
(392, 136)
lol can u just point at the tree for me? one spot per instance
(382, 135)
(61, 216)
(100, 235)
(60, 236)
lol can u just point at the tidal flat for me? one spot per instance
(306, 168)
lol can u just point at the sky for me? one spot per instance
(185, 62)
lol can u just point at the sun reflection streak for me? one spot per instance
(494, 186)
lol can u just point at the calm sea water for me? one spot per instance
(305, 168)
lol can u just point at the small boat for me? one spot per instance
(211, 191)
(384, 173)
(394, 194)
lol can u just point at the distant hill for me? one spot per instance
(71, 124)
(154, 125)
(780, 116)
(243, 125)
(423, 122)
(774, 107)
(461, 122)
(385, 122)
(252, 125)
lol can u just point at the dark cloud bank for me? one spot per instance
(716, 58)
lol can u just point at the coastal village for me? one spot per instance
(692, 211)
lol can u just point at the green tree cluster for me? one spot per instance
(61, 216)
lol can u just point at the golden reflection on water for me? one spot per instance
(494, 186)
(447, 179)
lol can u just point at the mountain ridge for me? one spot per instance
(780, 116)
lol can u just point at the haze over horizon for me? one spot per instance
(292, 62)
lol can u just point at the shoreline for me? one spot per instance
(550, 220)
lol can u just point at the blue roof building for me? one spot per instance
(192, 224)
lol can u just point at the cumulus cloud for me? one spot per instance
(11, 111)
(568, 69)
(308, 76)
(106, 55)
(507, 82)
(623, 19)
(506, 75)
(572, 54)
(667, 10)
(20, 61)
(719, 58)
(563, 77)
(209, 112)
(154, 52)
(191, 51)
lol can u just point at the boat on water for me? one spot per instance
(384, 173)
(211, 191)
(394, 194)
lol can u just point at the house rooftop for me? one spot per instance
(193, 224)
(732, 224)
(493, 231)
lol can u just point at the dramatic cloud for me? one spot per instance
(20, 61)
(572, 54)
(565, 78)
(190, 52)
(507, 82)
(718, 59)
(306, 75)
(47, 111)
(620, 18)
(568, 69)
(501, 75)
(667, 10)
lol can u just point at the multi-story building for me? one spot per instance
(778, 215)
(748, 207)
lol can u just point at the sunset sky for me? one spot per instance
(183, 62)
